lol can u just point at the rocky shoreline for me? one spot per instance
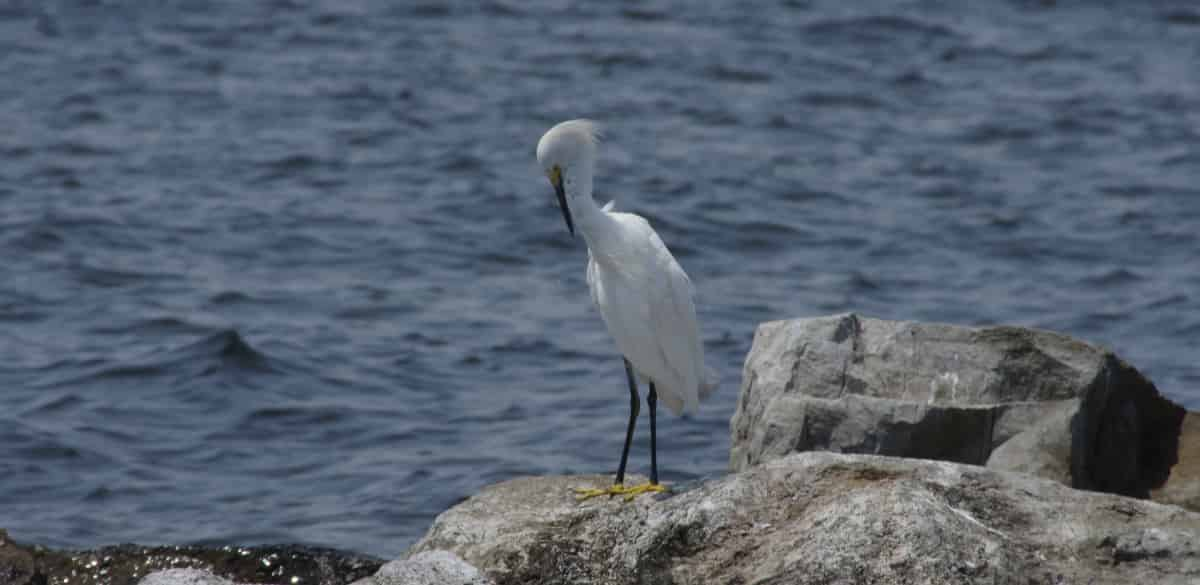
(22, 564)
(863, 451)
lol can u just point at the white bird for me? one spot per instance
(643, 294)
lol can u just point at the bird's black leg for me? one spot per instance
(652, 400)
(634, 408)
(619, 489)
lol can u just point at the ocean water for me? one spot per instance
(287, 271)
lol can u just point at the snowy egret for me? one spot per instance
(644, 297)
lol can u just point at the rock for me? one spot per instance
(823, 518)
(437, 567)
(1043, 449)
(18, 564)
(1183, 487)
(183, 577)
(851, 384)
(128, 564)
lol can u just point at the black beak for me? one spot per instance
(562, 202)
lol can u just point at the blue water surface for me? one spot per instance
(287, 271)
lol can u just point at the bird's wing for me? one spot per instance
(673, 317)
(591, 279)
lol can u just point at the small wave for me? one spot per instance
(87, 117)
(417, 337)
(461, 163)
(501, 259)
(37, 238)
(76, 219)
(618, 59)
(77, 99)
(73, 148)
(19, 151)
(537, 346)
(229, 297)
(1051, 52)
(669, 186)
(231, 348)
(534, 347)
(52, 404)
(512, 412)
(374, 312)
(18, 312)
(860, 282)
(987, 53)
(1114, 277)
(221, 351)
(158, 325)
(823, 99)
(293, 165)
(295, 415)
(293, 162)
(112, 277)
(369, 137)
(361, 91)
(334, 19)
(1189, 159)
(429, 10)
(29, 443)
(1181, 17)
(736, 74)
(992, 132)
(1167, 301)
(912, 77)
(500, 8)
(886, 25)
(547, 239)
(711, 116)
(643, 15)
(773, 228)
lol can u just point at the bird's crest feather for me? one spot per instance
(589, 128)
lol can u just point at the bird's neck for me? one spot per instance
(596, 226)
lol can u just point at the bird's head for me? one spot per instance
(567, 154)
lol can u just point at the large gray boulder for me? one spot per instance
(1008, 397)
(823, 518)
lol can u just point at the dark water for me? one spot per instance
(287, 271)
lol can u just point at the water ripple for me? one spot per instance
(251, 241)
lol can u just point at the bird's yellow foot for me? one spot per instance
(629, 493)
(646, 488)
(582, 494)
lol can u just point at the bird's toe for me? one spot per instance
(627, 492)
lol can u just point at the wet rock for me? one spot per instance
(183, 577)
(427, 568)
(127, 564)
(1072, 411)
(826, 518)
(19, 565)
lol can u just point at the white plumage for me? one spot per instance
(643, 295)
(645, 299)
